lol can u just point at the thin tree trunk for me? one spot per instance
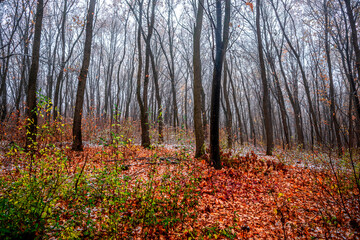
(334, 122)
(266, 95)
(293, 99)
(251, 119)
(197, 84)
(62, 66)
(354, 37)
(228, 113)
(236, 108)
(304, 78)
(160, 118)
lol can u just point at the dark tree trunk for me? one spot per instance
(3, 87)
(265, 85)
(31, 111)
(221, 46)
(346, 58)
(145, 129)
(143, 100)
(334, 122)
(77, 138)
(145, 139)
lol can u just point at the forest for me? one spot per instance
(179, 119)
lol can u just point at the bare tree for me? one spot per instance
(77, 138)
(221, 38)
(6, 50)
(334, 121)
(266, 95)
(197, 84)
(354, 34)
(31, 103)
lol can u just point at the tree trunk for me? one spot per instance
(145, 128)
(334, 122)
(292, 97)
(130, 87)
(228, 114)
(265, 85)
(251, 119)
(237, 110)
(221, 46)
(354, 33)
(62, 66)
(25, 66)
(197, 84)
(77, 138)
(160, 118)
(31, 111)
(304, 78)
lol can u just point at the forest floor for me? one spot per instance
(119, 190)
(164, 193)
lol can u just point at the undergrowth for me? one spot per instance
(54, 192)
(71, 200)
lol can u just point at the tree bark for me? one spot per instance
(77, 137)
(228, 114)
(160, 118)
(334, 122)
(197, 84)
(145, 128)
(265, 85)
(354, 37)
(31, 111)
(221, 46)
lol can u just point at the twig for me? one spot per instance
(170, 160)
(82, 170)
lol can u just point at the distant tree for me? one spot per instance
(354, 34)
(334, 122)
(295, 49)
(64, 59)
(77, 138)
(143, 98)
(8, 32)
